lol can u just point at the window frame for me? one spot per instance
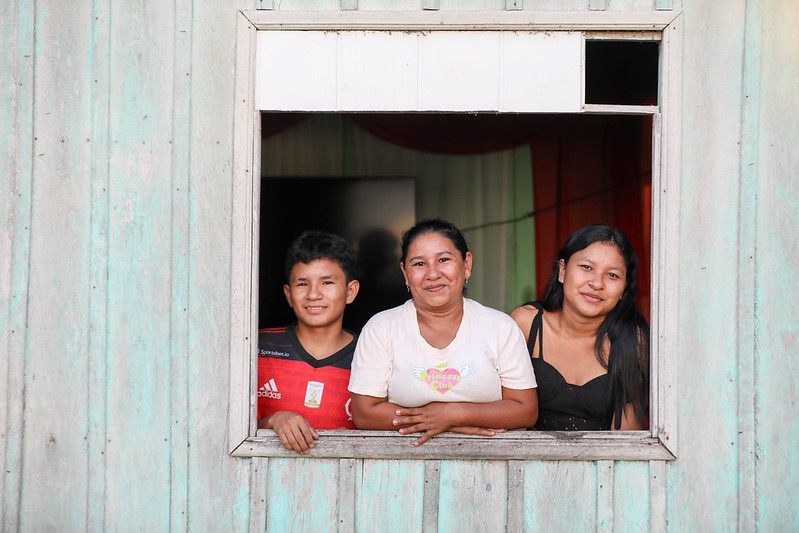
(657, 443)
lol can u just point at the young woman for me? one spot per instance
(441, 362)
(588, 342)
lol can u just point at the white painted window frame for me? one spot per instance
(658, 443)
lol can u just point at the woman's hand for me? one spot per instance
(294, 430)
(435, 418)
(430, 419)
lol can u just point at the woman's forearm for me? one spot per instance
(521, 411)
(516, 409)
(369, 412)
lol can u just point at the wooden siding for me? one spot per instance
(117, 159)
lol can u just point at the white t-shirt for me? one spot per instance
(393, 360)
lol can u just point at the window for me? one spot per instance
(552, 47)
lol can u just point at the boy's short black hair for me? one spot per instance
(312, 245)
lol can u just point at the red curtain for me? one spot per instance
(579, 181)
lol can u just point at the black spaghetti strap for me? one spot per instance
(537, 330)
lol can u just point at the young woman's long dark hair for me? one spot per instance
(624, 327)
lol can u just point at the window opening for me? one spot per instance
(574, 169)
(621, 72)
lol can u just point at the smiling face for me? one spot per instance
(435, 271)
(593, 280)
(318, 292)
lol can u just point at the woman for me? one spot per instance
(441, 362)
(588, 342)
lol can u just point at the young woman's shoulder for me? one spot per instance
(524, 315)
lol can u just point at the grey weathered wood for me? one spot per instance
(777, 313)
(747, 268)
(54, 439)
(561, 493)
(396, 495)
(714, 249)
(461, 20)
(597, 5)
(98, 296)
(258, 493)
(432, 481)
(631, 496)
(179, 330)
(348, 5)
(431, 4)
(242, 314)
(479, 490)
(78, 310)
(214, 37)
(658, 503)
(511, 445)
(16, 206)
(139, 267)
(666, 186)
(516, 496)
(346, 496)
(301, 494)
(605, 503)
(513, 5)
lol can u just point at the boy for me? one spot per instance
(304, 369)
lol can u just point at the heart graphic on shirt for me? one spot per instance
(442, 381)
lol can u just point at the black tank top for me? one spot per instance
(561, 405)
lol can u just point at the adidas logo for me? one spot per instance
(269, 390)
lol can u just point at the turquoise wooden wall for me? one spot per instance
(116, 153)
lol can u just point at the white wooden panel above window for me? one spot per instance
(419, 71)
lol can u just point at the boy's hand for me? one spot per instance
(294, 431)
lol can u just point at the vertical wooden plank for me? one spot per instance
(513, 5)
(516, 497)
(140, 267)
(432, 5)
(478, 490)
(604, 496)
(98, 296)
(259, 470)
(390, 495)
(708, 253)
(432, 481)
(747, 268)
(348, 5)
(667, 183)
(630, 501)
(179, 348)
(301, 494)
(658, 511)
(776, 75)
(562, 493)
(346, 495)
(597, 5)
(16, 204)
(55, 396)
(213, 107)
(242, 368)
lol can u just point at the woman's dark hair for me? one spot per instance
(434, 225)
(624, 327)
(312, 245)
